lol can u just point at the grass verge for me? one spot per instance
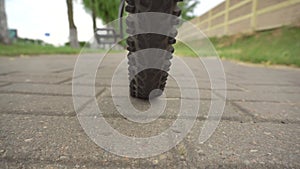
(279, 47)
(19, 49)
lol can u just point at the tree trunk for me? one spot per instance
(94, 15)
(4, 35)
(73, 30)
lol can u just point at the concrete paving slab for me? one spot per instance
(37, 105)
(247, 145)
(275, 88)
(170, 92)
(38, 128)
(53, 141)
(60, 141)
(263, 97)
(34, 64)
(68, 73)
(285, 113)
(108, 107)
(4, 84)
(46, 89)
(171, 83)
(34, 79)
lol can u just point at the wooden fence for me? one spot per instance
(244, 16)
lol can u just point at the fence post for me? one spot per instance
(226, 17)
(254, 15)
(209, 22)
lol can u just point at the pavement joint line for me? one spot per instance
(38, 74)
(267, 84)
(63, 70)
(101, 85)
(6, 84)
(90, 101)
(39, 94)
(100, 93)
(297, 84)
(41, 83)
(275, 121)
(277, 92)
(33, 93)
(22, 82)
(31, 82)
(238, 85)
(44, 113)
(220, 96)
(207, 99)
(242, 88)
(167, 98)
(65, 80)
(168, 87)
(287, 92)
(121, 162)
(80, 109)
(234, 75)
(111, 116)
(9, 73)
(233, 104)
(68, 162)
(243, 110)
(118, 116)
(262, 101)
(69, 79)
(256, 119)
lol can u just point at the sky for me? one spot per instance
(34, 18)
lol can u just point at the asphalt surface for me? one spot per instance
(260, 127)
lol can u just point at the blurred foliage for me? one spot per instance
(81, 44)
(32, 41)
(188, 7)
(106, 10)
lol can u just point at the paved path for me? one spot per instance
(260, 127)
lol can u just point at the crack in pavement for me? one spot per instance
(68, 79)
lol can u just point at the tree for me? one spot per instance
(90, 6)
(188, 7)
(106, 10)
(73, 30)
(4, 34)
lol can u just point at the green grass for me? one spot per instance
(19, 49)
(29, 49)
(279, 46)
(183, 50)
